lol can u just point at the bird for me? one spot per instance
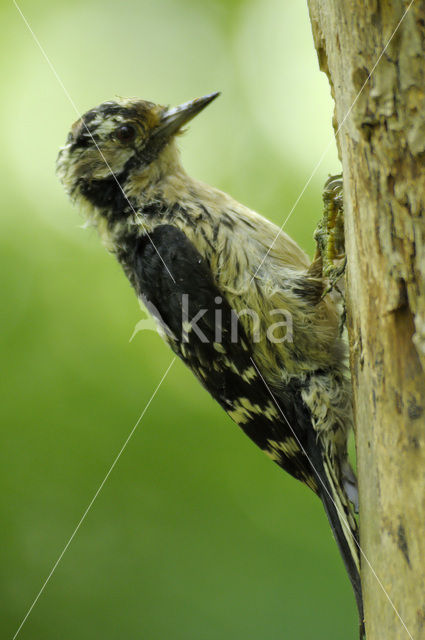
(234, 297)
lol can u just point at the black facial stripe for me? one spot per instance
(107, 193)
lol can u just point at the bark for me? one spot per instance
(381, 144)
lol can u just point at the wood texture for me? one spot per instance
(381, 142)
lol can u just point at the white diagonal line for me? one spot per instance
(92, 501)
(55, 73)
(331, 141)
(341, 515)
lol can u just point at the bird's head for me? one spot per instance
(117, 141)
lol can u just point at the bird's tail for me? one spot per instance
(344, 527)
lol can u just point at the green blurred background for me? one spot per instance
(196, 534)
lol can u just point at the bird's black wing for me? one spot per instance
(214, 345)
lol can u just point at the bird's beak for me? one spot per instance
(174, 119)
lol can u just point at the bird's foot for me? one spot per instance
(329, 234)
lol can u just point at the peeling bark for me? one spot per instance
(381, 143)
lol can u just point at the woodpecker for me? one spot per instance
(214, 273)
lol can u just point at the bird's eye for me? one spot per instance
(126, 133)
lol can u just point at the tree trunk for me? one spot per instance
(380, 126)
